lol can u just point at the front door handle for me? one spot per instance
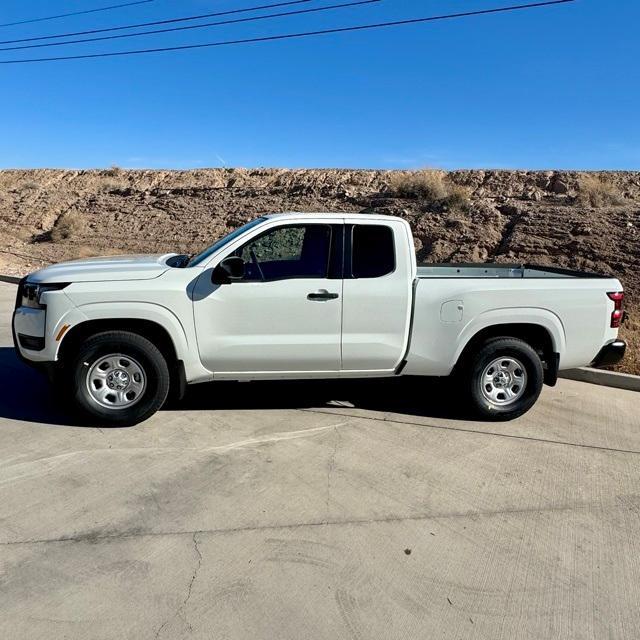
(322, 294)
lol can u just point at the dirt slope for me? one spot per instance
(511, 216)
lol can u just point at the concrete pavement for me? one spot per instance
(312, 510)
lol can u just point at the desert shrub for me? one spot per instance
(113, 171)
(112, 179)
(106, 186)
(426, 184)
(457, 198)
(596, 191)
(432, 187)
(68, 225)
(30, 185)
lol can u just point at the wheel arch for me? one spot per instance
(546, 338)
(149, 329)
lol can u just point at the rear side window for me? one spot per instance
(373, 253)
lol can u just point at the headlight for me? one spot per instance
(32, 293)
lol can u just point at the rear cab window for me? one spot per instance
(373, 251)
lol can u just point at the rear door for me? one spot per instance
(377, 295)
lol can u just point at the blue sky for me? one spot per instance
(557, 87)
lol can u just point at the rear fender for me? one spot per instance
(519, 315)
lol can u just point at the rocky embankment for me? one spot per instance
(569, 219)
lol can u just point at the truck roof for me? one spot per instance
(330, 214)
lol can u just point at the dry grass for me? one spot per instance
(458, 197)
(113, 179)
(596, 191)
(107, 186)
(67, 226)
(113, 171)
(431, 186)
(427, 184)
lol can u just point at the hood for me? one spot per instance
(137, 267)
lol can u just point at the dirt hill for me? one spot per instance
(577, 220)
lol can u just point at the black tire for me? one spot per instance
(146, 357)
(518, 351)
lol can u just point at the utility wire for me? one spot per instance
(76, 13)
(196, 26)
(290, 36)
(155, 23)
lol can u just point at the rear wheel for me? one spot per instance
(505, 379)
(118, 378)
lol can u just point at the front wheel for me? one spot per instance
(505, 379)
(118, 378)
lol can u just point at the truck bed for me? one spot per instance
(491, 270)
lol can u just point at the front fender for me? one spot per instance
(148, 311)
(181, 334)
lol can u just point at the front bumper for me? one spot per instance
(16, 345)
(30, 327)
(29, 331)
(610, 354)
(48, 368)
(37, 333)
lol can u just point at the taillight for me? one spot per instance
(617, 315)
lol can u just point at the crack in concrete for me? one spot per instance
(193, 579)
(160, 628)
(331, 464)
(154, 498)
(181, 611)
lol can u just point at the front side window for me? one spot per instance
(202, 257)
(294, 251)
(373, 253)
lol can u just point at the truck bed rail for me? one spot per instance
(493, 270)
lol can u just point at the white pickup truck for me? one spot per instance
(309, 296)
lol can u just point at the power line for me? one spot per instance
(290, 36)
(155, 23)
(76, 13)
(197, 26)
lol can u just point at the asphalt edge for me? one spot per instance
(9, 279)
(584, 374)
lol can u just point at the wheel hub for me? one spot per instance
(118, 379)
(503, 381)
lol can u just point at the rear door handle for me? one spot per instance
(322, 294)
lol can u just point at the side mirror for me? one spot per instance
(230, 269)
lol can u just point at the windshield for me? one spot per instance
(201, 257)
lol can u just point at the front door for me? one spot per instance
(284, 315)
